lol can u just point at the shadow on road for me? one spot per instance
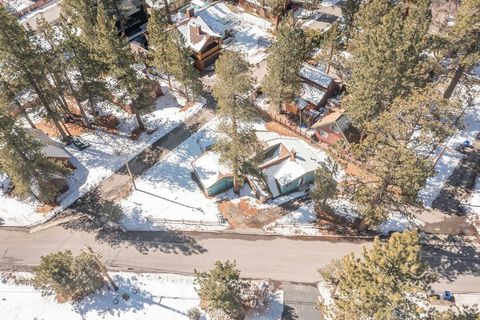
(168, 241)
(453, 260)
(289, 313)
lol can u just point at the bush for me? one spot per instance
(256, 295)
(194, 314)
(70, 277)
(111, 212)
(221, 289)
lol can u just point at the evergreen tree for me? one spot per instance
(388, 59)
(182, 68)
(463, 41)
(26, 66)
(389, 282)
(221, 288)
(68, 276)
(160, 44)
(82, 14)
(282, 81)
(349, 10)
(396, 153)
(325, 185)
(113, 51)
(277, 9)
(22, 160)
(8, 96)
(231, 90)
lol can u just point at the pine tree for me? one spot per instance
(160, 44)
(325, 185)
(182, 68)
(113, 51)
(22, 160)
(277, 9)
(388, 282)
(396, 153)
(231, 90)
(349, 10)
(70, 277)
(463, 41)
(388, 59)
(8, 95)
(83, 15)
(221, 288)
(26, 66)
(282, 81)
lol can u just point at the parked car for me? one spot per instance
(80, 143)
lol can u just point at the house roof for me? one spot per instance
(217, 17)
(209, 169)
(329, 118)
(51, 148)
(287, 169)
(315, 76)
(312, 94)
(196, 42)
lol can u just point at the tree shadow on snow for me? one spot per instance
(110, 302)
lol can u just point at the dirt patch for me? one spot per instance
(280, 129)
(50, 129)
(187, 106)
(46, 208)
(242, 214)
(136, 133)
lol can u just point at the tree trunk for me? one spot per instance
(186, 93)
(26, 116)
(167, 11)
(169, 78)
(120, 17)
(47, 107)
(78, 102)
(453, 83)
(138, 117)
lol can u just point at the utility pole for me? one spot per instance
(102, 267)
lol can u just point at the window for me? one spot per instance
(323, 134)
(334, 128)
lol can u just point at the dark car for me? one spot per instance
(80, 143)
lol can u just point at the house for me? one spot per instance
(261, 7)
(289, 165)
(51, 149)
(336, 128)
(201, 39)
(317, 87)
(213, 176)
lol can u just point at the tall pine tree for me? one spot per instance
(389, 282)
(282, 81)
(231, 90)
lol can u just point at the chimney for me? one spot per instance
(195, 32)
(293, 155)
(190, 13)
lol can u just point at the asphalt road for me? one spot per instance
(276, 258)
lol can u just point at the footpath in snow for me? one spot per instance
(107, 153)
(158, 296)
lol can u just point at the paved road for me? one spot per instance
(277, 258)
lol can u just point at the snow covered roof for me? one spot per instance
(311, 94)
(217, 17)
(289, 168)
(51, 149)
(209, 169)
(315, 75)
(196, 33)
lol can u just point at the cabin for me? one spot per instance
(261, 8)
(335, 128)
(213, 176)
(201, 39)
(289, 165)
(51, 149)
(317, 88)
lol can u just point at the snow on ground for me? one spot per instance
(303, 221)
(159, 296)
(168, 191)
(107, 153)
(450, 158)
(18, 5)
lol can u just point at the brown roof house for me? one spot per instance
(51, 149)
(201, 39)
(336, 128)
